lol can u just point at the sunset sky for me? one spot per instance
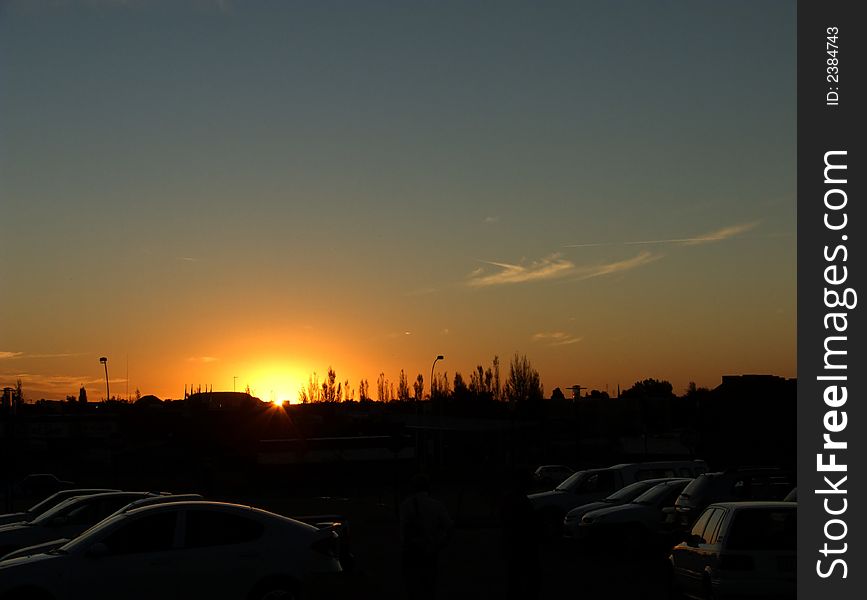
(200, 190)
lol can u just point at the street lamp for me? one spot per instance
(439, 357)
(104, 361)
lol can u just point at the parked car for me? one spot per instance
(56, 543)
(551, 475)
(48, 503)
(739, 550)
(621, 496)
(176, 550)
(637, 524)
(594, 484)
(66, 520)
(746, 483)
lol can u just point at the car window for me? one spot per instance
(82, 514)
(629, 492)
(572, 481)
(684, 472)
(213, 528)
(697, 488)
(712, 528)
(763, 529)
(598, 482)
(151, 533)
(698, 528)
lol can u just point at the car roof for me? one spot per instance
(749, 504)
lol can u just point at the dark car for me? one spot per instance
(734, 485)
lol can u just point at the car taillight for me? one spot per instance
(736, 562)
(329, 546)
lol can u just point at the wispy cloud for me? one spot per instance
(556, 338)
(13, 355)
(554, 267)
(203, 359)
(550, 267)
(643, 258)
(490, 220)
(718, 235)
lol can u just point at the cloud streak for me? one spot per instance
(718, 235)
(15, 355)
(203, 359)
(556, 338)
(550, 267)
(643, 258)
(553, 267)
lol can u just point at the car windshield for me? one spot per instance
(86, 539)
(629, 493)
(47, 503)
(764, 529)
(697, 486)
(661, 492)
(60, 510)
(572, 481)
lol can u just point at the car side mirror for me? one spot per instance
(694, 540)
(98, 550)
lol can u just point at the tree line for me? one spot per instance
(484, 383)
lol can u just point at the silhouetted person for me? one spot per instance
(425, 528)
(521, 537)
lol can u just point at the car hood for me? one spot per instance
(36, 562)
(624, 512)
(9, 518)
(13, 528)
(543, 496)
(582, 510)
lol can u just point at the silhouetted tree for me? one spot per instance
(382, 388)
(418, 388)
(496, 375)
(348, 393)
(523, 383)
(402, 388)
(363, 390)
(460, 390)
(557, 394)
(649, 388)
(18, 392)
(329, 387)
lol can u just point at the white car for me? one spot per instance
(66, 520)
(56, 543)
(618, 498)
(179, 550)
(636, 523)
(739, 549)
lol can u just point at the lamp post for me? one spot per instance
(440, 420)
(104, 361)
(439, 357)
